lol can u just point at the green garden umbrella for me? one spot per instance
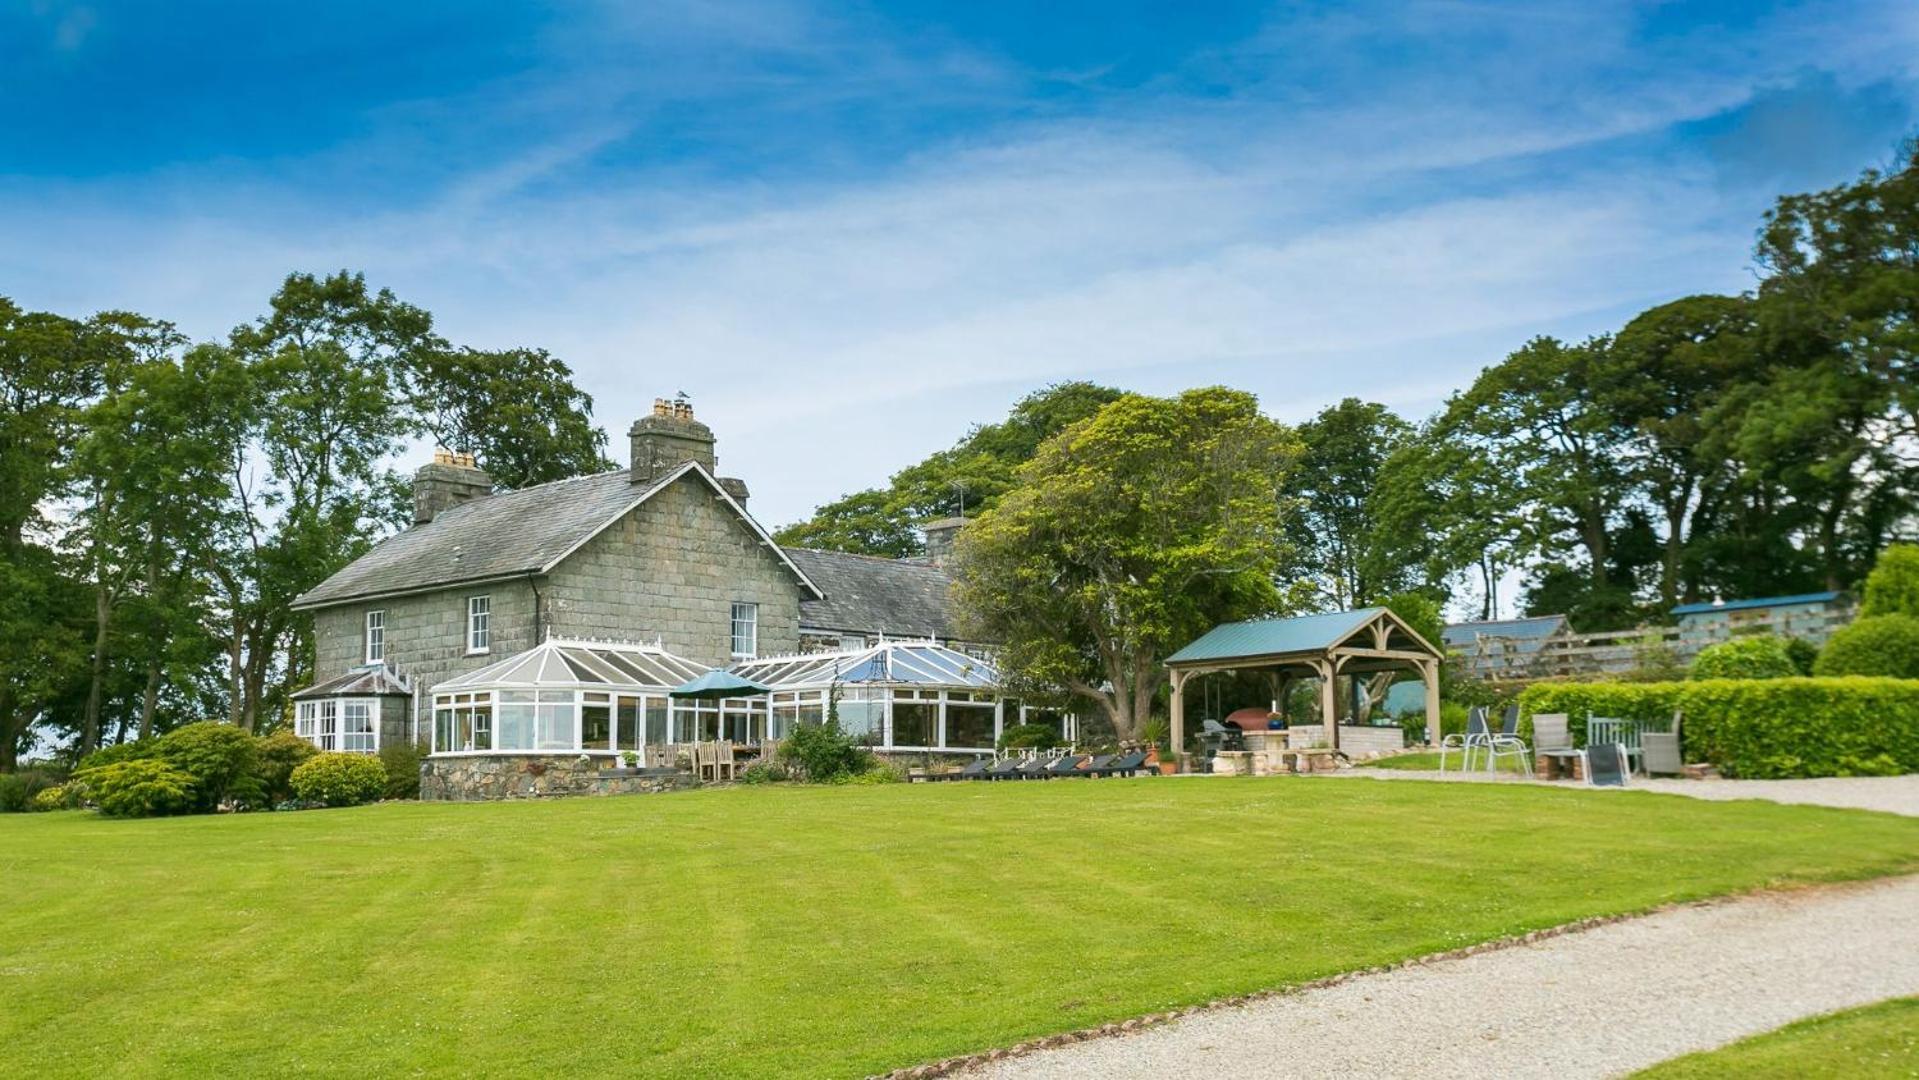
(719, 684)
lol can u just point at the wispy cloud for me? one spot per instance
(1337, 205)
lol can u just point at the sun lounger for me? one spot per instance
(1004, 769)
(1606, 765)
(1098, 765)
(1127, 764)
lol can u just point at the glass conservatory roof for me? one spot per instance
(561, 664)
(893, 663)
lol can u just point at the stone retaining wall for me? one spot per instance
(485, 777)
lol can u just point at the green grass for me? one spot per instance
(1418, 760)
(1860, 1044)
(813, 931)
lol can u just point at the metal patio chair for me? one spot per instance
(1476, 737)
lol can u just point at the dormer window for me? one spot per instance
(479, 624)
(375, 637)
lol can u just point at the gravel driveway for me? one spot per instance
(1595, 1003)
(1893, 794)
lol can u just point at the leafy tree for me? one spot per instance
(1335, 525)
(48, 373)
(1893, 586)
(1444, 504)
(968, 478)
(1126, 536)
(516, 410)
(1667, 372)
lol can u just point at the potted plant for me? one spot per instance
(630, 758)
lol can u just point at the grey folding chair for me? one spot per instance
(1605, 765)
(1507, 742)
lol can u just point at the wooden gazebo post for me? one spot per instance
(1178, 709)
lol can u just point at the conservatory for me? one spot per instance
(585, 697)
(907, 696)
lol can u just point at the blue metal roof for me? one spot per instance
(1762, 602)
(1274, 637)
(1537, 626)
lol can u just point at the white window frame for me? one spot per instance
(479, 624)
(376, 636)
(304, 715)
(349, 738)
(751, 622)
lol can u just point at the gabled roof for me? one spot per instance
(511, 534)
(1761, 602)
(566, 663)
(890, 663)
(371, 680)
(1533, 629)
(1275, 637)
(872, 595)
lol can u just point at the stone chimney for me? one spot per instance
(939, 538)
(449, 481)
(669, 437)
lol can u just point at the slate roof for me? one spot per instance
(1526, 635)
(512, 533)
(1274, 637)
(371, 680)
(1762, 602)
(869, 594)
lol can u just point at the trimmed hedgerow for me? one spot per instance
(1761, 656)
(339, 779)
(1762, 728)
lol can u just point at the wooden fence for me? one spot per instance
(1646, 650)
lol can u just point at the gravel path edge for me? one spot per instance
(954, 1065)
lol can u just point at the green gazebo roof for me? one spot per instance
(1274, 637)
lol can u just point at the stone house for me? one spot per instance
(553, 622)
(663, 551)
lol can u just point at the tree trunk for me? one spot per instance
(236, 682)
(1675, 548)
(97, 676)
(150, 700)
(9, 730)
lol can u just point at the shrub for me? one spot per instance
(339, 779)
(14, 797)
(1879, 645)
(1029, 736)
(1803, 654)
(223, 759)
(1761, 656)
(822, 753)
(401, 760)
(126, 751)
(763, 772)
(68, 796)
(141, 787)
(1893, 586)
(279, 754)
(1761, 728)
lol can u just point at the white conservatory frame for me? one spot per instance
(941, 684)
(545, 697)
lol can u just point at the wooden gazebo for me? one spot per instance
(1321, 647)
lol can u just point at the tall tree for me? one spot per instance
(48, 373)
(1336, 525)
(1443, 505)
(310, 492)
(516, 410)
(967, 478)
(1126, 536)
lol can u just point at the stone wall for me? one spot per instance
(425, 634)
(486, 777)
(673, 568)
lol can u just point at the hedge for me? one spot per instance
(1761, 656)
(1761, 728)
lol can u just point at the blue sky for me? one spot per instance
(848, 231)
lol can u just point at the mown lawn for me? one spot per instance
(1860, 1044)
(825, 931)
